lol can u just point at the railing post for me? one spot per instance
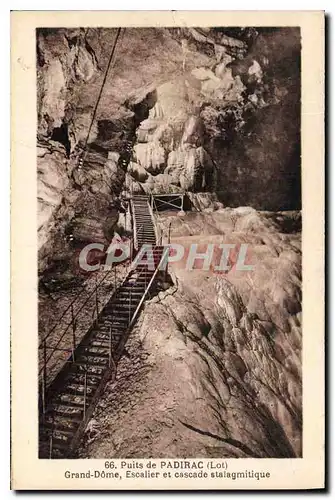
(96, 299)
(110, 347)
(50, 446)
(130, 298)
(166, 263)
(85, 392)
(44, 378)
(114, 278)
(73, 333)
(169, 234)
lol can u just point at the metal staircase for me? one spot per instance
(68, 402)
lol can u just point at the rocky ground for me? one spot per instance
(213, 367)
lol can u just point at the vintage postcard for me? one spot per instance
(167, 250)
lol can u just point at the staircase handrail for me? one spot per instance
(134, 224)
(154, 215)
(165, 252)
(55, 348)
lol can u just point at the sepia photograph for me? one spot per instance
(167, 311)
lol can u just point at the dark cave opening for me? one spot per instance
(293, 179)
(60, 134)
(142, 108)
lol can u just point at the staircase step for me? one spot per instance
(105, 337)
(95, 361)
(131, 292)
(115, 337)
(79, 379)
(74, 416)
(99, 349)
(118, 324)
(115, 340)
(60, 427)
(114, 325)
(120, 300)
(148, 266)
(57, 433)
(115, 329)
(96, 370)
(71, 404)
(110, 319)
(145, 270)
(133, 286)
(78, 390)
(104, 333)
(129, 301)
(144, 279)
(124, 313)
(106, 341)
(87, 351)
(59, 445)
(126, 307)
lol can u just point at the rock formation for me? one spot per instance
(235, 94)
(214, 366)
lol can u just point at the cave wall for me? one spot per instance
(261, 166)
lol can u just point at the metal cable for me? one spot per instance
(102, 87)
